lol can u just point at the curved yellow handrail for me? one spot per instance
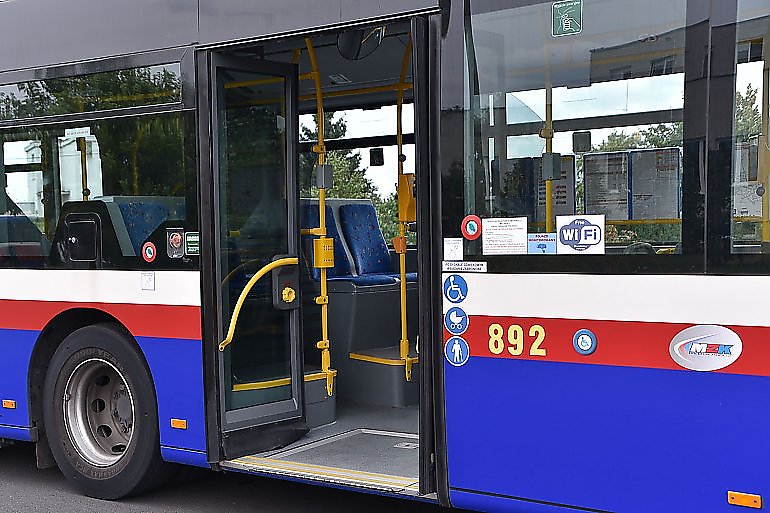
(245, 292)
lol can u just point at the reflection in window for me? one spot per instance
(621, 79)
(135, 87)
(750, 230)
(139, 167)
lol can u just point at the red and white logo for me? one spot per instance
(149, 252)
(471, 227)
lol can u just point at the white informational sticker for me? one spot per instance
(453, 249)
(580, 235)
(77, 132)
(148, 280)
(504, 236)
(464, 267)
(541, 243)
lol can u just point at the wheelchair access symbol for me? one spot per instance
(456, 321)
(455, 289)
(456, 351)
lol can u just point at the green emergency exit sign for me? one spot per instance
(567, 18)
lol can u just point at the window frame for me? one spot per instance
(707, 152)
(182, 56)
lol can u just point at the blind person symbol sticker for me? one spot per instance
(456, 351)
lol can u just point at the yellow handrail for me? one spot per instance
(323, 297)
(281, 262)
(402, 223)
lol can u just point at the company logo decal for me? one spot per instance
(580, 234)
(706, 348)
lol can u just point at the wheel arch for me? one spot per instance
(49, 340)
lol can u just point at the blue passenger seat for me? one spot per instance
(341, 270)
(366, 242)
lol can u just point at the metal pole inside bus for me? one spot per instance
(763, 157)
(323, 247)
(406, 214)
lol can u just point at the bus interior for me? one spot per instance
(362, 392)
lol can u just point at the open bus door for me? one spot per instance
(254, 136)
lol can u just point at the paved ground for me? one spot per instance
(24, 489)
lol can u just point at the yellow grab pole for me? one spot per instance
(403, 220)
(763, 160)
(547, 134)
(245, 292)
(323, 298)
(82, 148)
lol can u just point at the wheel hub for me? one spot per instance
(98, 412)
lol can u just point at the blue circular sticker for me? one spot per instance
(456, 351)
(455, 289)
(584, 342)
(456, 321)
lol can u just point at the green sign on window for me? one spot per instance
(567, 18)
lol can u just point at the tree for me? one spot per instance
(350, 179)
(617, 140)
(748, 118)
(667, 135)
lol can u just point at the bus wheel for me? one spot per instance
(100, 414)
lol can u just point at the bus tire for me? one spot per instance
(100, 414)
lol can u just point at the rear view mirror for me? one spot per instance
(358, 44)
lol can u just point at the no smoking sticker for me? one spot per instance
(149, 252)
(471, 227)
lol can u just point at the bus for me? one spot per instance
(498, 255)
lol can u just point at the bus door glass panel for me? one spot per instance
(257, 195)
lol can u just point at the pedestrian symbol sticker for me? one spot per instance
(567, 18)
(456, 351)
(455, 289)
(456, 321)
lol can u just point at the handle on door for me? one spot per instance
(281, 262)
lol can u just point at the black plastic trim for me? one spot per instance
(95, 66)
(208, 262)
(431, 223)
(533, 501)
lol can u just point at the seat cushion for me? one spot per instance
(367, 280)
(364, 237)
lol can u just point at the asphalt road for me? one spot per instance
(23, 489)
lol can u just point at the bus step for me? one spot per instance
(363, 458)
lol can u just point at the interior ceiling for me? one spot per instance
(381, 68)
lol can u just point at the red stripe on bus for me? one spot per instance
(163, 321)
(619, 343)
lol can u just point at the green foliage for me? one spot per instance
(139, 155)
(659, 136)
(88, 93)
(748, 118)
(350, 179)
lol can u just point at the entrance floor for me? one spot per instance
(370, 447)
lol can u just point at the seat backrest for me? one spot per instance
(364, 237)
(309, 219)
(141, 219)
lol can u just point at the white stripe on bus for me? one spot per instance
(171, 287)
(724, 300)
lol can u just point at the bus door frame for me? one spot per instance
(276, 428)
